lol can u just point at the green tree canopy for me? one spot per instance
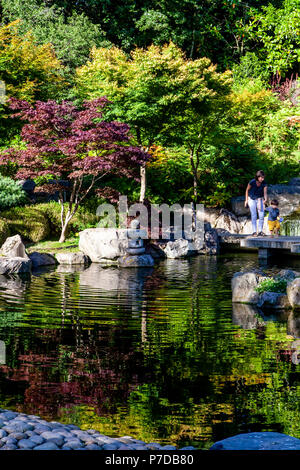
(161, 94)
(30, 71)
(71, 36)
(275, 33)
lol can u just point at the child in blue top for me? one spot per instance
(273, 218)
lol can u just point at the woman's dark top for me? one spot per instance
(273, 213)
(255, 192)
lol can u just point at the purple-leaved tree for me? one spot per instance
(65, 142)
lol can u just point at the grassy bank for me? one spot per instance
(53, 246)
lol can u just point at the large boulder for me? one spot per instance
(13, 247)
(41, 259)
(72, 258)
(258, 441)
(293, 293)
(243, 287)
(103, 243)
(227, 221)
(287, 195)
(15, 265)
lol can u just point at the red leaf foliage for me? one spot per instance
(68, 142)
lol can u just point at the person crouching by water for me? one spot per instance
(256, 196)
(273, 218)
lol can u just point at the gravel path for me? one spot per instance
(19, 431)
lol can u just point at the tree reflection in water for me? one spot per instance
(160, 353)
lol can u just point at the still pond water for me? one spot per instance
(158, 354)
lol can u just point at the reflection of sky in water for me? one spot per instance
(159, 353)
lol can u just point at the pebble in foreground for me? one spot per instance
(19, 431)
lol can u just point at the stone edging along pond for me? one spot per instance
(19, 431)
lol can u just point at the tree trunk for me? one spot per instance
(143, 182)
(195, 189)
(63, 232)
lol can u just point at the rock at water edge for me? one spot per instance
(13, 247)
(129, 261)
(41, 259)
(72, 258)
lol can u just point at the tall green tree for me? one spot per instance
(72, 36)
(275, 35)
(217, 29)
(30, 72)
(158, 92)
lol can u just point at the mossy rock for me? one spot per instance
(29, 222)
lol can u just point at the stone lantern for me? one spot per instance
(135, 242)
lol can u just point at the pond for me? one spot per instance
(158, 354)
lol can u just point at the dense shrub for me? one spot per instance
(271, 284)
(11, 193)
(4, 231)
(41, 221)
(30, 222)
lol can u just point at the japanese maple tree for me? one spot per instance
(74, 144)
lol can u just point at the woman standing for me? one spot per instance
(256, 196)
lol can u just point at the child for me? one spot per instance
(273, 218)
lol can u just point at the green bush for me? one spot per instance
(41, 221)
(30, 222)
(11, 193)
(271, 284)
(4, 231)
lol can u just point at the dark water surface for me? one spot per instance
(158, 354)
